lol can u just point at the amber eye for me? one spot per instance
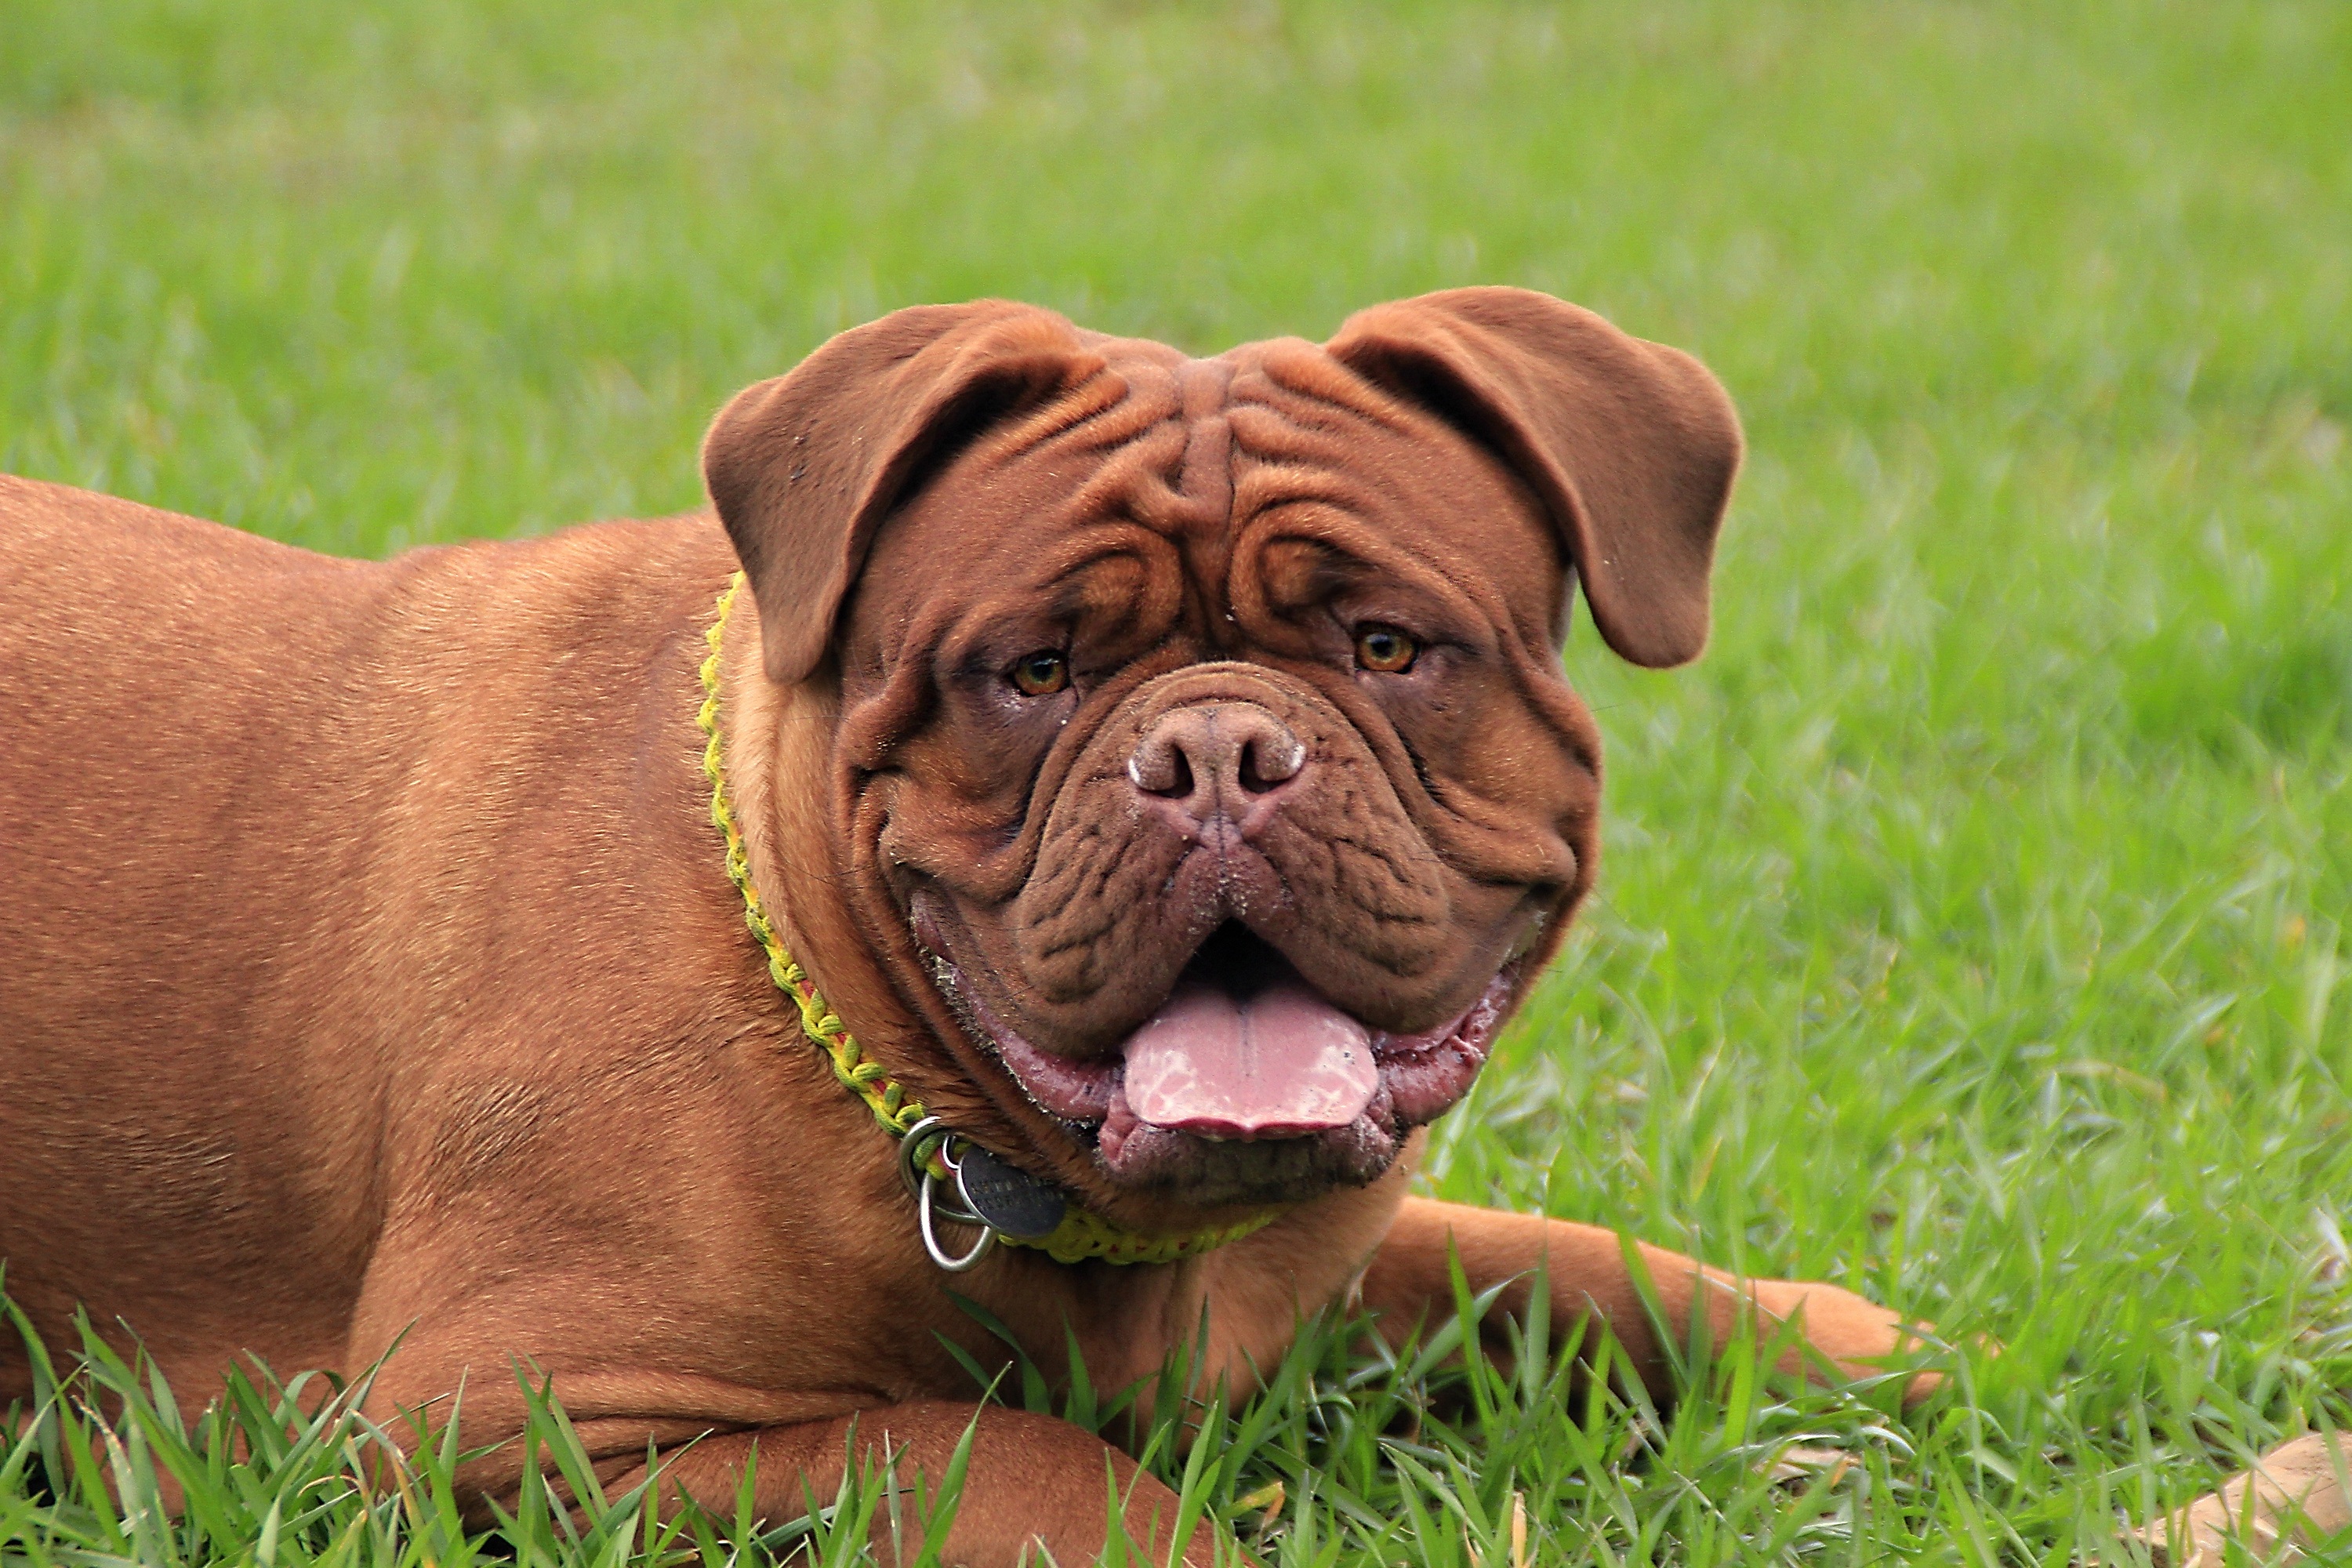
(1385, 651)
(1041, 674)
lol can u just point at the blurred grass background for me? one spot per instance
(1973, 925)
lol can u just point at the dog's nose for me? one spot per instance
(1216, 757)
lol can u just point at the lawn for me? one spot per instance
(1973, 928)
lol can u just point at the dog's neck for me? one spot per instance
(778, 743)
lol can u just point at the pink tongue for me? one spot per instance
(1285, 1062)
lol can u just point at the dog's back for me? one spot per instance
(249, 793)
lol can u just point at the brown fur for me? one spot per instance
(370, 969)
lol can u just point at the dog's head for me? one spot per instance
(1205, 769)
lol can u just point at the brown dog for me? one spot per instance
(1163, 765)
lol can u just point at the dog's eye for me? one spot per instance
(1385, 651)
(1041, 674)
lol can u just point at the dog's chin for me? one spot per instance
(1245, 1086)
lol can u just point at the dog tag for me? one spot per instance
(1006, 1199)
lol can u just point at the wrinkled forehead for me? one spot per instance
(1185, 458)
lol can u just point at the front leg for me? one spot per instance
(1032, 1483)
(1410, 1283)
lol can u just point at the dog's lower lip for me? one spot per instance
(1073, 1091)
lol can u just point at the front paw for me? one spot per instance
(2294, 1498)
(1861, 1338)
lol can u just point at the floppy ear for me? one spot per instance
(804, 468)
(1630, 445)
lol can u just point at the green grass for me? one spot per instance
(1974, 923)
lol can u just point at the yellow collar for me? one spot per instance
(1082, 1234)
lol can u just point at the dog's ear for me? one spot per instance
(1630, 445)
(804, 468)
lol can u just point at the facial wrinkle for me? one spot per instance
(1300, 443)
(1204, 485)
(1206, 479)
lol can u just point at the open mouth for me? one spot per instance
(1246, 1077)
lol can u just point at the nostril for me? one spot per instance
(1267, 763)
(1180, 769)
(1161, 768)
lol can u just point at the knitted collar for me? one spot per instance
(929, 1149)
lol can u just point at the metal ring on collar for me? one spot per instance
(939, 1254)
(911, 1148)
(912, 1172)
(925, 1189)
